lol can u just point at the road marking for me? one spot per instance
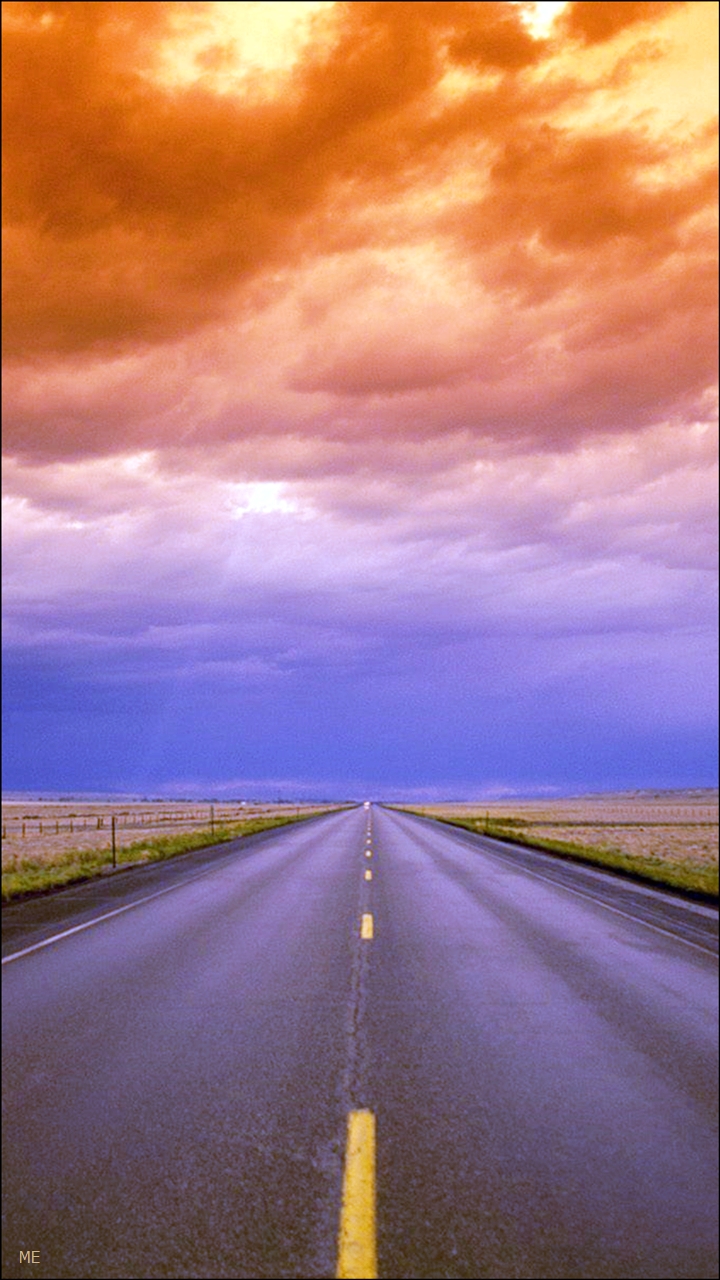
(589, 896)
(77, 928)
(368, 874)
(357, 1249)
(504, 857)
(368, 853)
(366, 928)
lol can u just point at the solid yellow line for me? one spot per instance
(357, 1250)
(366, 928)
(368, 874)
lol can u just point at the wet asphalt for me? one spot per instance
(538, 1043)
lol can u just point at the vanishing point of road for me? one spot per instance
(364, 1045)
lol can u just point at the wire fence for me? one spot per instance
(55, 834)
(56, 823)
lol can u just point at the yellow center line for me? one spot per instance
(368, 874)
(357, 1249)
(366, 927)
(368, 853)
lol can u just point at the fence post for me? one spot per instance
(114, 859)
(212, 817)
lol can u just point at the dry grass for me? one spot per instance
(52, 830)
(670, 837)
(64, 843)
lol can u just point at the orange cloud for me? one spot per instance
(595, 22)
(546, 262)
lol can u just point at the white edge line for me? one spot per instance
(87, 924)
(588, 897)
(601, 874)
(597, 871)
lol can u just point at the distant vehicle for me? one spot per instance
(366, 805)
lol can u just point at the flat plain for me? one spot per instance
(674, 831)
(48, 843)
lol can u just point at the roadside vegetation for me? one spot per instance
(26, 875)
(678, 854)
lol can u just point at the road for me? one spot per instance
(537, 1044)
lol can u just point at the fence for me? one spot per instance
(42, 837)
(200, 816)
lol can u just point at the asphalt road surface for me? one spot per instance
(536, 1042)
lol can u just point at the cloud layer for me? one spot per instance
(378, 346)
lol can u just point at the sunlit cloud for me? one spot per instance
(540, 16)
(369, 348)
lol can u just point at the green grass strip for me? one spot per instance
(30, 876)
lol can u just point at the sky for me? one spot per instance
(359, 398)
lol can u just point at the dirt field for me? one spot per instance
(670, 826)
(52, 829)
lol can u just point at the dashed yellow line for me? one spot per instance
(366, 926)
(357, 1248)
(368, 853)
(368, 874)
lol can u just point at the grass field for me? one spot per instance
(48, 844)
(667, 837)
